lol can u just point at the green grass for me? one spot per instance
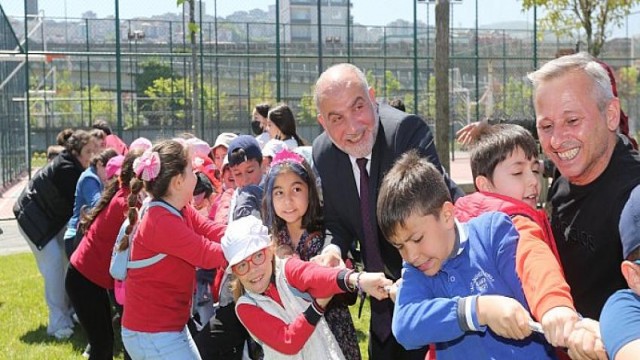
(23, 314)
(23, 317)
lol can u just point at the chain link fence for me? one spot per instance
(242, 64)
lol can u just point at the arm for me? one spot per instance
(286, 338)
(543, 283)
(420, 318)
(323, 282)
(248, 202)
(168, 234)
(204, 226)
(629, 351)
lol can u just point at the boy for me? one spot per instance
(245, 162)
(470, 281)
(620, 318)
(506, 173)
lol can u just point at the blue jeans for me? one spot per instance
(162, 345)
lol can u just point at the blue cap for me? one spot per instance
(629, 225)
(249, 146)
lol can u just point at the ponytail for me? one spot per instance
(132, 214)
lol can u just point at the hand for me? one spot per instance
(372, 283)
(585, 342)
(324, 301)
(558, 323)
(504, 315)
(328, 259)
(393, 289)
(470, 133)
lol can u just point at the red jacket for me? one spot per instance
(93, 255)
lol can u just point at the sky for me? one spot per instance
(366, 12)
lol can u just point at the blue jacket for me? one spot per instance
(431, 309)
(88, 191)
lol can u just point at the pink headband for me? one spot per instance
(287, 155)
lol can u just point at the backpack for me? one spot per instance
(121, 260)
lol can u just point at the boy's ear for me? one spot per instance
(447, 213)
(483, 183)
(631, 273)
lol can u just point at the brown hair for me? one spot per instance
(412, 186)
(103, 157)
(110, 190)
(174, 158)
(77, 141)
(496, 143)
(282, 117)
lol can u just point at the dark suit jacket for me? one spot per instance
(398, 132)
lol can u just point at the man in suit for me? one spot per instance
(361, 134)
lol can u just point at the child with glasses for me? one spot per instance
(281, 302)
(292, 210)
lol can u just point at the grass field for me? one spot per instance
(23, 317)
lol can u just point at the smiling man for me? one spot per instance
(577, 119)
(361, 134)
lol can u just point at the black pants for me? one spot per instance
(223, 338)
(391, 349)
(91, 303)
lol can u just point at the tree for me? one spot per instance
(564, 17)
(384, 88)
(308, 111)
(261, 90)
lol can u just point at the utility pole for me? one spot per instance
(442, 82)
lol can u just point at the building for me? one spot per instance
(300, 20)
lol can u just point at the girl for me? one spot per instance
(42, 210)
(158, 297)
(292, 209)
(282, 126)
(260, 119)
(281, 301)
(87, 194)
(88, 277)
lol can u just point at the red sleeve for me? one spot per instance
(183, 242)
(541, 275)
(319, 281)
(288, 339)
(203, 226)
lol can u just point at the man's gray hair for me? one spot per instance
(582, 61)
(329, 76)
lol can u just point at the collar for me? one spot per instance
(462, 236)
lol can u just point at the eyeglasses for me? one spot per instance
(243, 267)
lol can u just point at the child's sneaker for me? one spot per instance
(63, 334)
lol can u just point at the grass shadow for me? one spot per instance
(39, 336)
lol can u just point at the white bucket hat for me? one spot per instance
(242, 238)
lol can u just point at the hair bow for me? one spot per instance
(147, 166)
(287, 155)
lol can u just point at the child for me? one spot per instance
(88, 190)
(506, 172)
(269, 151)
(281, 301)
(458, 279)
(158, 297)
(293, 212)
(88, 278)
(245, 162)
(620, 318)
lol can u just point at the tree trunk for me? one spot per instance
(442, 82)
(195, 119)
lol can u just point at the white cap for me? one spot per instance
(224, 139)
(272, 147)
(243, 238)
